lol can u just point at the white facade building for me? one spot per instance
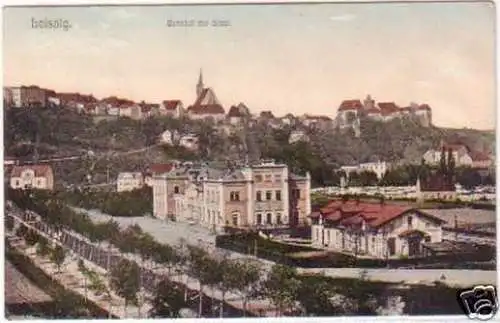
(374, 230)
(129, 181)
(264, 195)
(379, 168)
(32, 177)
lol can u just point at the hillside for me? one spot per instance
(62, 132)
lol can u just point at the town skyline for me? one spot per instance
(239, 64)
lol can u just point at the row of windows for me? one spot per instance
(267, 178)
(269, 196)
(235, 195)
(18, 182)
(268, 219)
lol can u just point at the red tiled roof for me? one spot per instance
(77, 97)
(161, 168)
(201, 97)
(40, 170)
(206, 109)
(353, 212)
(171, 104)
(113, 100)
(453, 147)
(388, 108)
(406, 109)
(479, 156)
(350, 105)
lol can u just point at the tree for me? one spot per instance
(442, 162)
(21, 231)
(164, 254)
(282, 286)
(168, 300)
(200, 266)
(31, 237)
(450, 173)
(368, 178)
(146, 245)
(42, 248)
(57, 256)
(230, 272)
(9, 223)
(314, 295)
(248, 285)
(125, 281)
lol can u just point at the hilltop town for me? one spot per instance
(363, 188)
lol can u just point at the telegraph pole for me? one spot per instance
(108, 265)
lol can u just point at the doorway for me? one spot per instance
(414, 246)
(391, 246)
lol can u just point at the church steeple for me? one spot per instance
(199, 86)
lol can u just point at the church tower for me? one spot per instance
(199, 86)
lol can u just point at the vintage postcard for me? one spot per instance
(250, 160)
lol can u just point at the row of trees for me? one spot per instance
(282, 285)
(123, 204)
(407, 175)
(56, 254)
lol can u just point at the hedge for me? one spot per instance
(282, 253)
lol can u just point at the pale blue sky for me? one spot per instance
(285, 58)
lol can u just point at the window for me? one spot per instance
(259, 196)
(269, 218)
(410, 222)
(268, 178)
(277, 178)
(278, 195)
(18, 183)
(296, 193)
(278, 218)
(176, 189)
(234, 196)
(258, 178)
(258, 218)
(269, 195)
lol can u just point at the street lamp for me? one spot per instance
(141, 298)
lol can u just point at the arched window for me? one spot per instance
(176, 189)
